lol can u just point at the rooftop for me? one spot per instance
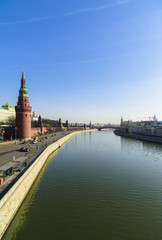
(7, 106)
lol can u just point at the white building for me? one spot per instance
(6, 111)
(34, 116)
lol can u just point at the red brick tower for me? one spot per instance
(23, 112)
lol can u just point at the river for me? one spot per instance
(98, 186)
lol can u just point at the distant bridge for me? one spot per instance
(105, 127)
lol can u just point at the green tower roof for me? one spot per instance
(23, 90)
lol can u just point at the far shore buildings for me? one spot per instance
(151, 127)
(7, 111)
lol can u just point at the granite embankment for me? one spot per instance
(139, 136)
(13, 195)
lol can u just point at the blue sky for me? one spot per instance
(84, 59)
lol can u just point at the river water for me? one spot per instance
(98, 186)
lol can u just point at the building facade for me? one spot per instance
(34, 116)
(6, 111)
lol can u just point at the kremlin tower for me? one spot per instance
(90, 125)
(23, 112)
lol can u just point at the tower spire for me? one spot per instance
(90, 125)
(121, 122)
(23, 90)
(23, 75)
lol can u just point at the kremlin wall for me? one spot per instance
(23, 128)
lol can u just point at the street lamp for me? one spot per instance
(37, 145)
(16, 134)
(38, 131)
(3, 132)
(38, 138)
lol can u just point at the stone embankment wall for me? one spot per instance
(139, 137)
(13, 198)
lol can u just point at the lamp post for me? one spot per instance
(3, 132)
(15, 134)
(37, 131)
(37, 145)
(38, 138)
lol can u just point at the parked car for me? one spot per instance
(24, 149)
(35, 140)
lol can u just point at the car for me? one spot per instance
(25, 149)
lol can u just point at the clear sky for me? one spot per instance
(84, 59)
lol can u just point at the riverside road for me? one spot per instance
(8, 151)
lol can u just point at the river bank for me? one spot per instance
(138, 136)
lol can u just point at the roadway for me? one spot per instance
(8, 151)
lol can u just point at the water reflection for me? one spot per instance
(75, 138)
(90, 138)
(131, 146)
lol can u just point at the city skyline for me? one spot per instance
(83, 61)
